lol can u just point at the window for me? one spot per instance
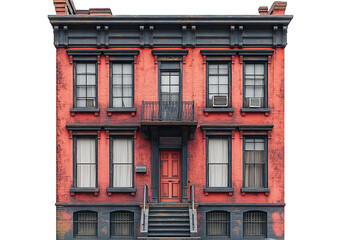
(122, 224)
(255, 224)
(255, 85)
(122, 162)
(218, 223)
(218, 162)
(85, 223)
(122, 85)
(85, 86)
(255, 162)
(85, 174)
(218, 85)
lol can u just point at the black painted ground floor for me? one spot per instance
(215, 221)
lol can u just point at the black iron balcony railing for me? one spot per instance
(167, 111)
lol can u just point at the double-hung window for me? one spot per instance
(122, 162)
(218, 162)
(85, 85)
(85, 162)
(255, 85)
(122, 85)
(255, 162)
(218, 77)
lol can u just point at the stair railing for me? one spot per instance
(144, 214)
(193, 214)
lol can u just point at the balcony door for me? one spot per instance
(170, 175)
(170, 94)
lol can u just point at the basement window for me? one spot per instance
(218, 223)
(122, 224)
(255, 224)
(85, 223)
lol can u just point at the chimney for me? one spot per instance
(263, 10)
(277, 8)
(64, 7)
(100, 11)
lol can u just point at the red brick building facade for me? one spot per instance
(170, 126)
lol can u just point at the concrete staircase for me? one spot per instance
(168, 221)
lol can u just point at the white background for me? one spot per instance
(27, 85)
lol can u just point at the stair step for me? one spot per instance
(170, 214)
(168, 219)
(176, 229)
(168, 234)
(168, 210)
(169, 224)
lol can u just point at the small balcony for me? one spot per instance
(160, 111)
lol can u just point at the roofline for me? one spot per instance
(170, 19)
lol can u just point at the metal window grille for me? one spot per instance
(255, 162)
(86, 85)
(218, 81)
(255, 224)
(85, 223)
(218, 223)
(122, 85)
(255, 83)
(122, 223)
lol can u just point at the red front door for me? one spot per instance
(170, 175)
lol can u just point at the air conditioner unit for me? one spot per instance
(220, 101)
(254, 102)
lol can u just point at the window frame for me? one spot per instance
(229, 106)
(265, 177)
(122, 109)
(75, 175)
(111, 177)
(264, 225)
(162, 69)
(229, 180)
(75, 224)
(75, 107)
(265, 62)
(228, 222)
(122, 236)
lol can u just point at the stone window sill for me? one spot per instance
(132, 190)
(255, 190)
(84, 190)
(266, 111)
(74, 111)
(230, 111)
(110, 111)
(228, 190)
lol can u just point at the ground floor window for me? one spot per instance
(122, 223)
(218, 223)
(85, 223)
(255, 224)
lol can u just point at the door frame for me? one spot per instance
(169, 149)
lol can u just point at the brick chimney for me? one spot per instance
(277, 8)
(64, 7)
(263, 10)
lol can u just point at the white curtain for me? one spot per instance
(86, 163)
(218, 162)
(122, 163)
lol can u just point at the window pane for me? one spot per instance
(127, 91)
(164, 79)
(91, 68)
(249, 91)
(259, 92)
(223, 89)
(127, 102)
(81, 92)
(117, 91)
(213, 69)
(91, 92)
(217, 150)
(128, 79)
(213, 89)
(81, 103)
(91, 80)
(218, 175)
(249, 69)
(81, 79)
(223, 69)
(86, 176)
(213, 79)
(122, 175)
(259, 69)
(117, 79)
(174, 89)
(174, 79)
(117, 102)
(81, 68)
(122, 151)
(85, 150)
(127, 68)
(223, 79)
(165, 89)
(117, 68)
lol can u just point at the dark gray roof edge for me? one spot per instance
(171, 19)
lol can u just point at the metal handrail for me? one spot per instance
(144, 207)
(192, 202)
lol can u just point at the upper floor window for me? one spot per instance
(255, 162)
(122, 162)
(85, 162)
(218, 162)
(85, 85)
(218, 76)
(122, 85)
(255, 224)
(122, 224)
(85, 223)
(255, 85)
(218, 223)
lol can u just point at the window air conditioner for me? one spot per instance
(254, 102)
(220, 101)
